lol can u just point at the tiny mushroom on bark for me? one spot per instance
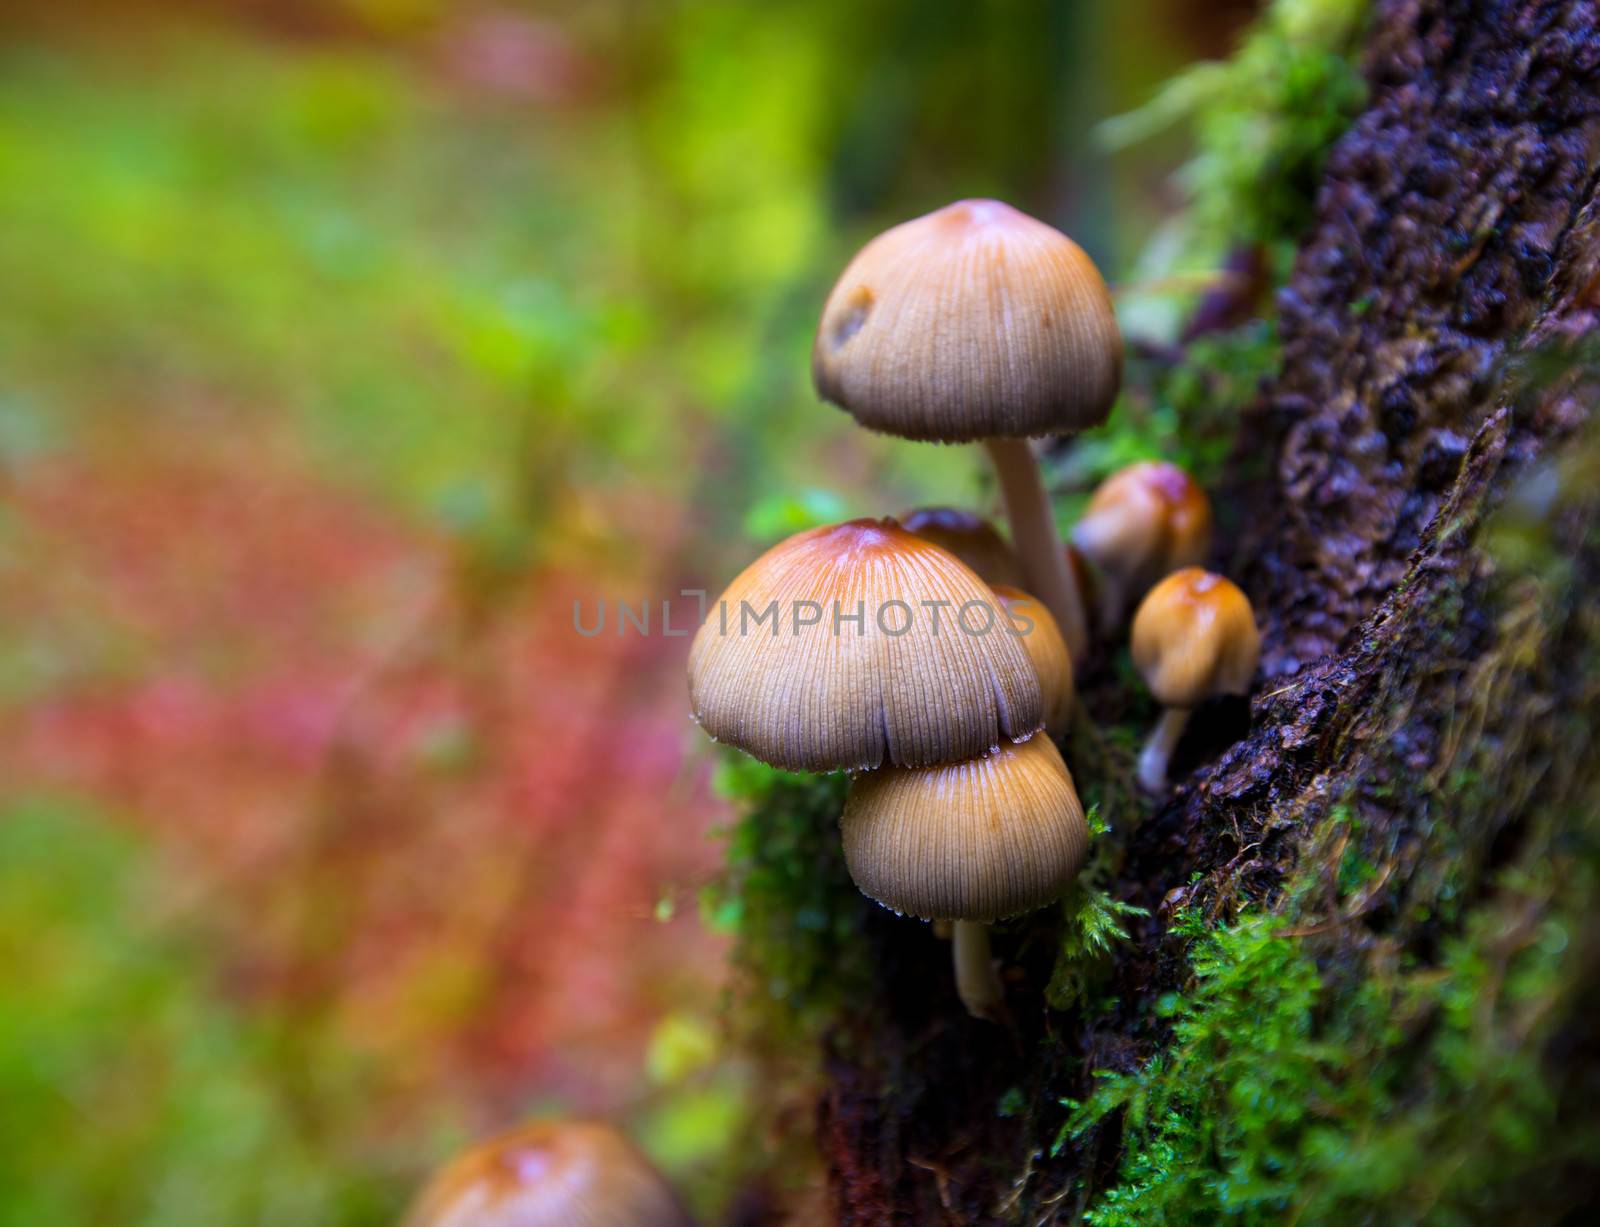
(550, 1174)
(1194, 638)
(1144, 521)
(859, 644)
(970, 538)
(970, 842)
(1048, 651)
(978, 322)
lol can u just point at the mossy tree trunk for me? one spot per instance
(1416, 779)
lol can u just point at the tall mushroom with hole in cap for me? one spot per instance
(859, 644)
(1194, 638)
(970, 538)
(550, 1174)
(1144, 521)
(971, 842)
(978, 322)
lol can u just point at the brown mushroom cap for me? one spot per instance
(882, 648)
(972, 322)
(970, 538)
(1048, 651)
(1143, 522)
(550, 1174)
(977, 840)
(1194, 638)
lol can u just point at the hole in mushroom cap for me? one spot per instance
(852, 317)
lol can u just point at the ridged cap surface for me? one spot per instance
(1194, 637)
(1047, 649)
(849, 695)
(970, 538)
(975, 321)
(978, 840)
(1145, 521)
(551, 1174)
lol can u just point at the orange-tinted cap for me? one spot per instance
(859, 644)
(1048, 651)
(550, 1174)
(1145, 521)
(970, 538)
(1195, 637)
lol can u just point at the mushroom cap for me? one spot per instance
(1048, 651)
(970, 538)
(550, 1174)
(975, 321)
(978, 840)
(812, 688)
(1195, 637)
(1144, 521)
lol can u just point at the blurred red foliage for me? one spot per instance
(440, 828)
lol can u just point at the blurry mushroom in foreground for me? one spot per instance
(1143, 522)
(971, 842)
(859, 644)
(1194, 638)
(550, 1174)
(978, 322)
(1051, 661)
(970, 538)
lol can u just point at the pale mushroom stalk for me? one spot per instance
(977, 981)
(1038, 544)
(1158, 749)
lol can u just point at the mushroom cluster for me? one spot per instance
(929, 658)
(866, 648)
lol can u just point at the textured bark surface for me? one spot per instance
(1434, 331)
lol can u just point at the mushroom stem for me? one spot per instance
(977, 982)
(1038, 544)
(1158, 749)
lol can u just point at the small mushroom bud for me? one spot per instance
(978, 322)
(1048, 651)
(969, 842)
(1144, 521)
(847, 647)
(550, 1174)
(970, 538)
(1194, 638)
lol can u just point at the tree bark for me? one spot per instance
(1436, 357)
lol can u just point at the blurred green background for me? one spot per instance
(342, 346)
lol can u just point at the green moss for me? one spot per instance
(786, 898)
(1332, 1062)
(1262, 122)
(1095, 926)
(1287, 1091)
(1183, 407)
